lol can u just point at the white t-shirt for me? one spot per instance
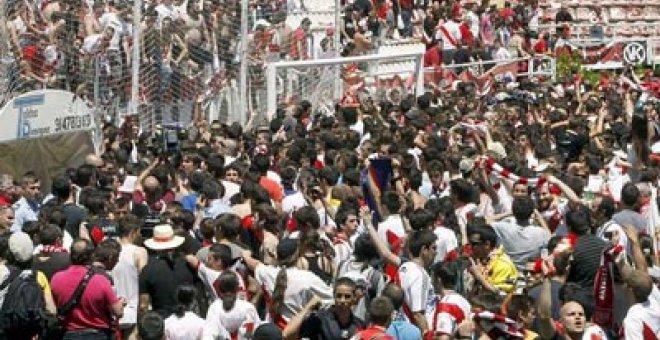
(293, 202)
(344, 249)
(219, 322)
(445, 313)
(446, 242)
(231, 189)
(208, 276)
(301, 286)
(190, 326)
(416, 285)
(112, 20)
(643, 318)
(91, 44)
(165, 12)
(391, 229)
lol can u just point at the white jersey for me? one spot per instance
(189, 326)
(444, 314)
(446, 242)
(301, 286)
(219, 321)
(210, 276)
(417, 287)
(643, 319)
(391, 231)
(453, 29)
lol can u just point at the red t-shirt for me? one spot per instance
(93, 310)
(140, 197)
(433, 57)
(275, 190)
(507, 12)
(540, 46)
(299, 35)
(373, 332)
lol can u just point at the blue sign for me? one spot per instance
(23, 128)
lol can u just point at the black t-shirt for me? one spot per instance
(323, 325)
(570, 144)
(74, 216)
(586, 260)
(160, 279)
(51, 263)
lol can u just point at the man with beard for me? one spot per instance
(27, 207)
(553, 207)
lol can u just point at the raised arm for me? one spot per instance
(570, 194)
(546, 323)
(381, 247)
(293, 327)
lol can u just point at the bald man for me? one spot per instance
(93, 160)
(151, 193)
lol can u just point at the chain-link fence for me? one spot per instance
(153, 59)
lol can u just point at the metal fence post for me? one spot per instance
(419, 74)
(271, 89)
(243, 72)
(136, 58)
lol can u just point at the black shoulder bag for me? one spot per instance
(55, 328)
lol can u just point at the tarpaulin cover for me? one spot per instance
(46, 156)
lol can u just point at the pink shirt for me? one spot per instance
(93, 311)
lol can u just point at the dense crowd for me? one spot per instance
(189, 48)
(528, 213)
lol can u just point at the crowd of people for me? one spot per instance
(187, 47)
(530, 213)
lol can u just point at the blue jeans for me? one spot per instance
(406, 16)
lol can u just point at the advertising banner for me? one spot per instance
(44, 113)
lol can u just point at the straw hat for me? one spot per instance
(164, 238)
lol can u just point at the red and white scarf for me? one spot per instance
(604, 288)
(492, 167)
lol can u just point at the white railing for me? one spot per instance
(273, 68)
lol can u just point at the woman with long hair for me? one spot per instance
(314, 256)
(286, 288)
(184, 323)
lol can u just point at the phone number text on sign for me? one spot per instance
(72, 123)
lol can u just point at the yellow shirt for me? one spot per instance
(42, 280)
(502, 272)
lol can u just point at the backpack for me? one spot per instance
(23, 313)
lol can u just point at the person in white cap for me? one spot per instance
(163, 273)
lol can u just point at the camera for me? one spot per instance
(150, 222)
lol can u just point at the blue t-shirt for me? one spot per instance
(404, 330)
(189, 202)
